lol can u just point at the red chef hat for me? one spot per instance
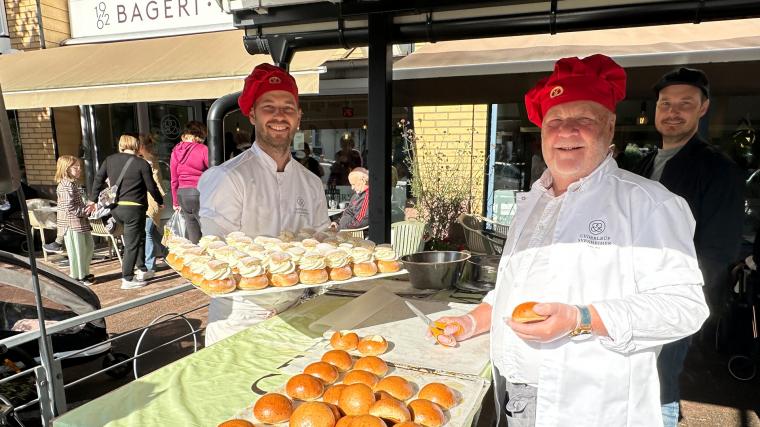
(263, 78)
(595, 78)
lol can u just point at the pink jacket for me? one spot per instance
(188, 162)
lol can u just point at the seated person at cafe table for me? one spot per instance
(610, 259)
(356, 214)
(261, 192)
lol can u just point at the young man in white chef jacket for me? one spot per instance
(610, 257)
(262, 191)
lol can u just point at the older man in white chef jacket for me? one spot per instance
(262, 191)
(608, 255)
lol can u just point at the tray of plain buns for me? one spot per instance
(350, 384)
(240, 265)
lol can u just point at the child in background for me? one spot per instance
(72, 215)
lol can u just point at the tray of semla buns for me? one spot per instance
(350, 385)
(240, 265)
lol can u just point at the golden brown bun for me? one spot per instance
(253, 283)
(335, 410)
(236, 423)
(272, 408)
(367, 421)
(338, 358)
(408, 424)
(186, 273)
(374, 345)
(332, 394)
(388, 266)
(380, 395)
(175, 261)
(356, 399)
(341, 273)
(440, 394)
(313, 277)
(344, 340)
(312, 414)
(426, 413)
(365, 269)
(345, 421)
(360, 377)
(284, 280)
(372, 364)
(221, 286)
(304, 387)
(524, 313)
(397, 387)
(197, 280)
(322, 370)
(390, 410)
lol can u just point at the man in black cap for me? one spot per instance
(712, 184)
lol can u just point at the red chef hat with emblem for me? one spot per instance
(594, 78)
(263, 78)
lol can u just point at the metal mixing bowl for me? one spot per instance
(435, 269)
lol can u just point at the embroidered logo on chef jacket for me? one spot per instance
(301, 206)
(595, 234)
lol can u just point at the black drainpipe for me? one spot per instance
(215, 122)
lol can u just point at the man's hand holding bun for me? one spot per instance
(561, 319)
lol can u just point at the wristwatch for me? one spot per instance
(583, 330)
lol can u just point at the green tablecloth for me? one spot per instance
(209, 386)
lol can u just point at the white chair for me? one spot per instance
(99, 230)
(356, 232)
(40, 224)
(407, 237)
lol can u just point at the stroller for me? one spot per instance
(62, 291)
(737, 330)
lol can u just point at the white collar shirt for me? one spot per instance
(624, 244)
(248, 194)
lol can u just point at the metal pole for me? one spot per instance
(379, 127)
(46, 353)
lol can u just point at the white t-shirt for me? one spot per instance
(247, 194)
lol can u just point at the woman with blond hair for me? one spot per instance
(72, 217)
(153, 247)
(134, 178)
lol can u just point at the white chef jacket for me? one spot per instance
(624, 244)
(247, 194)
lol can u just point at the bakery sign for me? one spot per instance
(97, 18)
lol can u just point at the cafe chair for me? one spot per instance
(478, 241)
(357, 232)
(41, 224)
(408, 237)
(99, 230)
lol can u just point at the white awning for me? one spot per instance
(198, 66)
(720, 41)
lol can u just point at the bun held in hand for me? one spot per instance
(524, 313)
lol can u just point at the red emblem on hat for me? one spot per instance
(274, 80)
(556, 91)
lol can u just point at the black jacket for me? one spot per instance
(137, 181)
(356, 214)
(713, 186)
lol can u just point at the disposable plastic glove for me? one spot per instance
(562, 319)
(455, 329)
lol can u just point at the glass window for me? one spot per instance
(112, 121)
(166, 123)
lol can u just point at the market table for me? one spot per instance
(210, 386)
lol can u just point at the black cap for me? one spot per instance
(684, 76)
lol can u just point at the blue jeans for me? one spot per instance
(153, 246)
(670, 414)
